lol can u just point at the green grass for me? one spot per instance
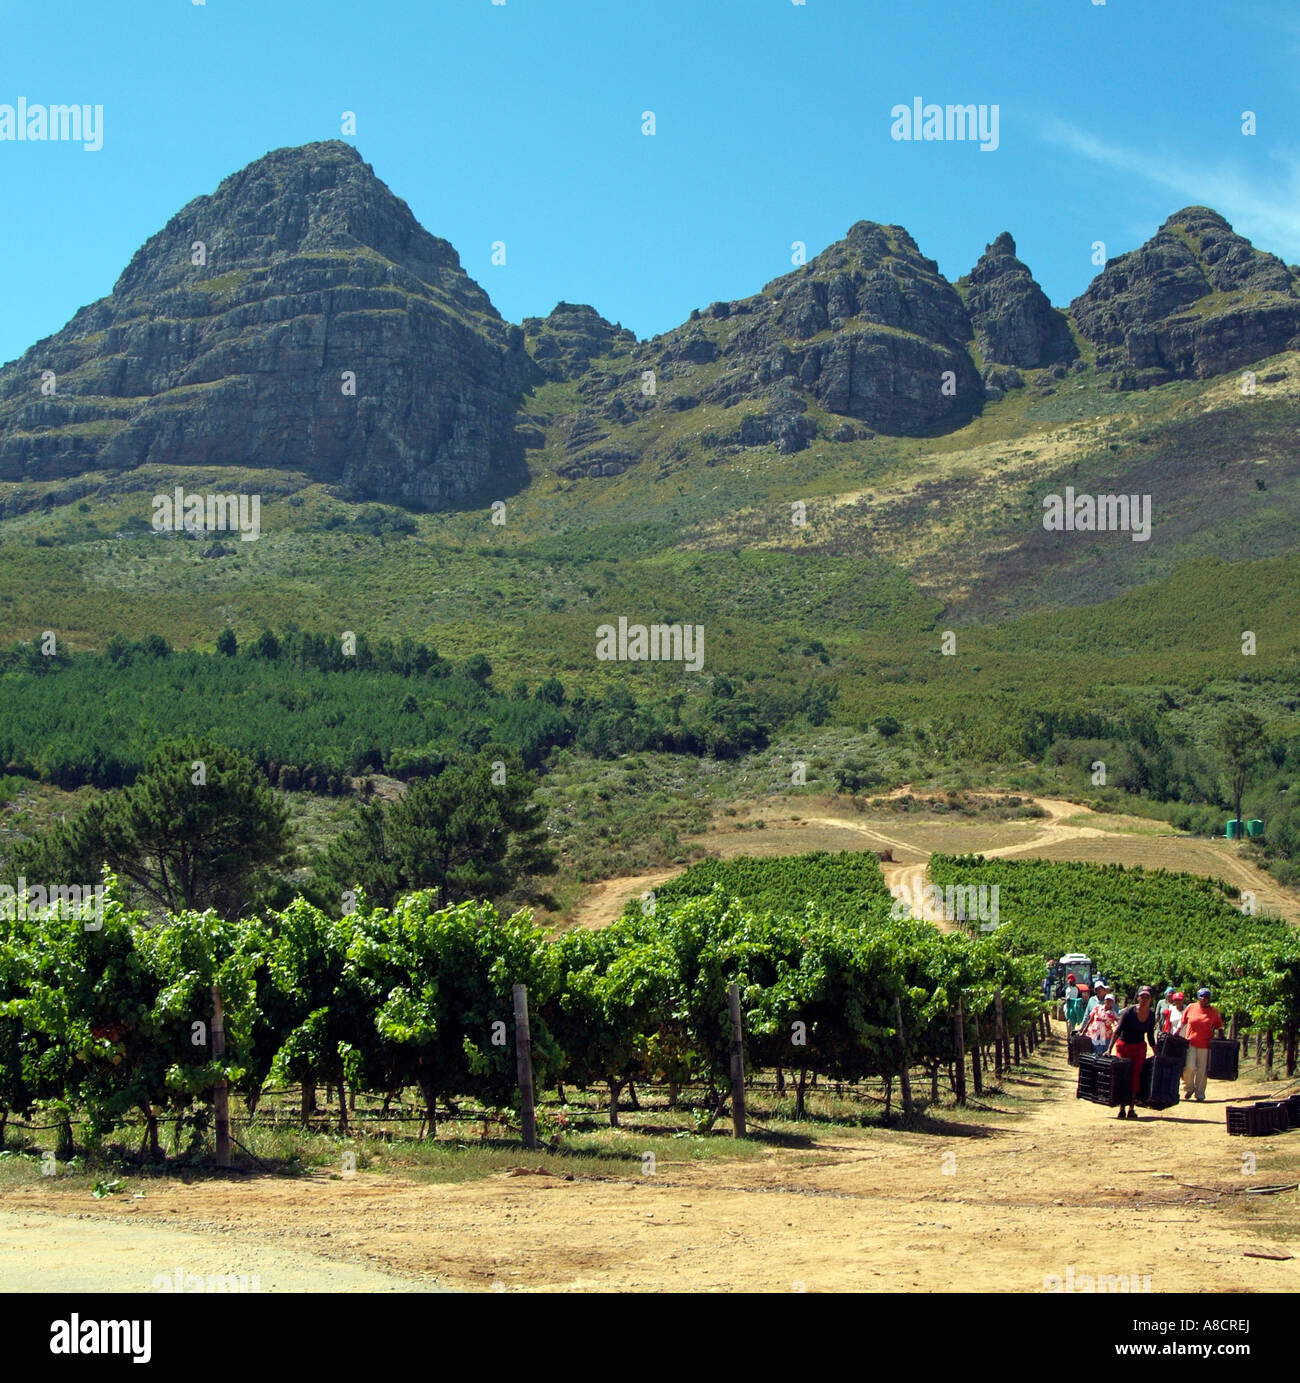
(583, 1145)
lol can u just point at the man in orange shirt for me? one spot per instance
(1201, 1021)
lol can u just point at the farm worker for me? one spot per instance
(1165, 1000)
(1175, 1015)
(1101, 1026)
(1098, 999)
(1073, 1005)
(1201, 1022)
(1047, 981)
(1136, 1027)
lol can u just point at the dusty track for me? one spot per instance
(999, 1206)
(1053, 836)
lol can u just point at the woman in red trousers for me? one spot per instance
(1136, 1028)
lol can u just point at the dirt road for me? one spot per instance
(1063, 832)
(1005, 1206)
(45, 1251)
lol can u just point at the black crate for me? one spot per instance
(1247, 1121)
(1160, 1079)
(1079, 1046)
(1105, 1080)
(1169, 1045)
(1224, 1055)
(1293, 1109)
(1281, 1115)
(1273, 1115)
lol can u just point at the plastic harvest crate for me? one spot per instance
(1169, 1045)
(1280, 1111)
(1224, 1054)
(1160, 1078)
(1105, 1080)
(1249, 1121)
(1264, 1116)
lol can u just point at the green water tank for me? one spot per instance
(1254, 827)
(1233, 831)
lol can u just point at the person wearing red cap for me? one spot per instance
(1175, 1015)
(1135, 1029)
(1074, 1004)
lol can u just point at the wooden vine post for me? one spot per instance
(524, 1066)
(960, 1035)
(976, 1070)
(999, 1037)
(221, 1091)
(737, 1062)
(904, 1080)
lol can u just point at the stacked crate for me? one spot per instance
(1105, 1080)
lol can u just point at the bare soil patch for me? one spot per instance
(1001, 1204)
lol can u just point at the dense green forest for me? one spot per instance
(311, 715)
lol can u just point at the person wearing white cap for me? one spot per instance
(1101, 1025)
(1201, 1021)
(1100, 990)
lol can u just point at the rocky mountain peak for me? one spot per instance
(1003, 245)
(311, 199)
(1014, 322)
(564, 343)
(299, 317)
(1195, 300)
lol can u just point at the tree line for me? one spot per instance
(313, 711)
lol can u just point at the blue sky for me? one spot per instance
(522, 123)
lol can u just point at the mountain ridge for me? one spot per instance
(300, 317)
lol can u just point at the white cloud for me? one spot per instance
(1269, 215)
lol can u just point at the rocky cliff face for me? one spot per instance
(301, 318)
(1196, 300)
(564, 344)
(1014, 322)
(869, 329)
(326, 331)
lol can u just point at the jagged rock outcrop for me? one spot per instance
(868, 329)
(327, 332)
(1014, 322)
(564, 344)
(301, 319)
(1196, 300)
